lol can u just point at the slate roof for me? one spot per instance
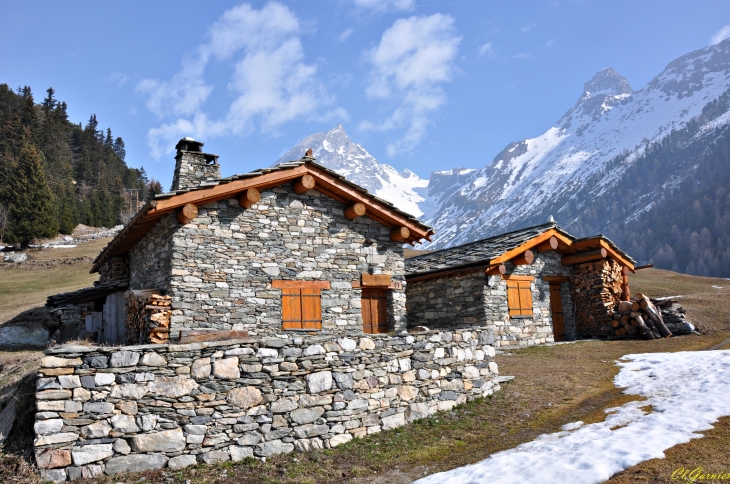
(87, 293)
(143, 212)
(482, 251)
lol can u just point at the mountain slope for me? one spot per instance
(336, 151)
(549, 174)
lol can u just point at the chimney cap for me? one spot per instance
(189, 144)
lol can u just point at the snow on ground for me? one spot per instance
(687, 392)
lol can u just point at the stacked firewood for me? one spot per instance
(148, 316)
(114, 269)
(596, 292)
(639, 318)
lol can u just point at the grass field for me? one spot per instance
(554, 385)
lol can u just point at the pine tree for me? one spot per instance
(30, 200)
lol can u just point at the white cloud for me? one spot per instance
(118, 78)
(528, 27)
(385, 5)
(486, 50)
(523, 56)
(271, 82)
(415, 56)
(344, 35)
(720, 35)
(549, 43)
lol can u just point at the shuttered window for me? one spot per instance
(301, 305)
(519, 296)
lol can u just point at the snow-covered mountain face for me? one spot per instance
(337, 152)
(542, 176)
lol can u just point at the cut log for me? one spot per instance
(303, 184)
(635, 306)
(354, 211)
(550, 244)
(581, 257)
(524, 259)
(187, 213)
(624, 307)
(249, 197)
(399, 234)
(500, 269)
(655, 316)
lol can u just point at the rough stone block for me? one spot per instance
(200, 368)
(135, 463)
(46, 427)
(96, 430)
(121, 447)
(52, 458)
(172, 387)
(239, 453)
(103, 379)
(284, 405)
(86, 454)
(181, 461)
(393, 421)
(54, 395)
(153, 359)
(340, 439)
(244, 397)
(319, 382)
(227, 368)
(275, 447)
(122, 359)
(56, 362)
(98, 407)
(165, 441)
(306, 415)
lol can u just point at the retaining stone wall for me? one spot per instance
(109, 410)
(451, 302)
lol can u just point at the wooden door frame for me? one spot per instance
(558, 285)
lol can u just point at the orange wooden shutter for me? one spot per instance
(525, 298)
(374, 311)
(291, 308)
(311, 309)
(519, 298)
(367, 316)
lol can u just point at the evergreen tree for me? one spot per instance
(30, 200)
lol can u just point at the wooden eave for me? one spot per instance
(326, 183)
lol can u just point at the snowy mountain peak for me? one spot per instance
(606, 82)
(336, 151)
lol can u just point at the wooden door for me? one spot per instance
(556, 306)
(374, 312)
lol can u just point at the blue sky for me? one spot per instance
(422, 84)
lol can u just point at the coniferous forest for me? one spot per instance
(55, 174)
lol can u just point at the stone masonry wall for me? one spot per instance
(448, 302)
(192, 168)
(150, 259)
(223, 263)
(110, 410)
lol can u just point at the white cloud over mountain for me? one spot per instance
(413, 59)
(271, 80)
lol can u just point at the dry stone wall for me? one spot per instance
(451, 302)
(103, 410)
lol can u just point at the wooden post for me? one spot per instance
(187, 213)
(303, 184)
(354, 211)
(498, 269)
(625, 291)
(550, 244)
(524, 259)
(400, 234)
(588, 256)
(249, 197)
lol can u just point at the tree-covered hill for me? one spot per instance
(55, 174)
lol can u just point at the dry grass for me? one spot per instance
(22, 289)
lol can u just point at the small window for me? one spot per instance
(301, 305)
(519, 296)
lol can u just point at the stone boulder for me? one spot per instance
(165, 441)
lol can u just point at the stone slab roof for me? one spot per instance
(483, 251)
(86, 294)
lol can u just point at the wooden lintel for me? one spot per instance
(281, 284)
(375, 280)
(555, 278)
(581, 257)
(517, 277)
(398, 285)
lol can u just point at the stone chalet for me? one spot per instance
(519, 285)
(293, 247)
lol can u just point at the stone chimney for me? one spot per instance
(192, 166)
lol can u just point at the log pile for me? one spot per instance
(673, 315)
(115, 269)
(597, 291)
(639, 318)
(148, 316)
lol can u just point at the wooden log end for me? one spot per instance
(526, 258)
(400, 234)
(354, 211)
(305, 183)
(187, 213)
(249, 197)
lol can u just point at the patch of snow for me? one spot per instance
(717, 287)
(687, 392)
(64, 246)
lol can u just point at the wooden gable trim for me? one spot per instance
(281, 284)
(601, 243)
(327, 184)
(535, 241)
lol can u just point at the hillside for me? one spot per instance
(57, 174)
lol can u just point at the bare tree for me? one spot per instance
(126, 215)
(4, 216)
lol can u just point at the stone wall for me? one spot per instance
(150, 260)
(109, 410)
(193, 168)
(451, 302)
(223, 262)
